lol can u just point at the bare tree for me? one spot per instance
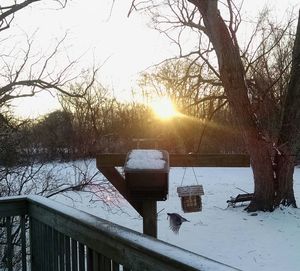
(9, 10)
(27, 70)
(198, 99)
(24, 73)
(93, 115)
(182, 81)
(103, 124)
(214, 24)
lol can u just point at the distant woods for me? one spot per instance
(96, 122)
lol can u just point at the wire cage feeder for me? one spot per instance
(191, 198)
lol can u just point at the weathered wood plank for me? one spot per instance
(23, 242)
(8, 208)
(81, 257)
(89, 259)
(182, 160)
(74, 255)
(33, 244)
(96, 266)
(49, 248)
(118, 181)
(43, 238)
(39, 253)
(209, 160)
(110, 160)
(68, 253)
(150, 218)
(9, 249)
(105, 263)
(61, 248)
(115, 266)
(56, 251)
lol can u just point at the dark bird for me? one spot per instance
(176, 221)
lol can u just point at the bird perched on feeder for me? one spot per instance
(176, 221)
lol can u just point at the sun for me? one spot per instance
(164, 108)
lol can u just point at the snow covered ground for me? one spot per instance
(264, 241)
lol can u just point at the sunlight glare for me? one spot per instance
(164, 108)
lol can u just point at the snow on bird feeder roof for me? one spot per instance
(145, 159)
(147, 174)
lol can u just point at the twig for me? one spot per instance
(242, 190)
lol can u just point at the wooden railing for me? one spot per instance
(39, 234)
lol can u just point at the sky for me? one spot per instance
(123, 46)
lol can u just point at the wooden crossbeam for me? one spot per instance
(118, 181)
(183, 160)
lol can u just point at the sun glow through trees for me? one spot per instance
(164, 108)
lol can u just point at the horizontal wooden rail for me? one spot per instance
(63, 238)
(13, 211)
(182, 160)
(13, 206)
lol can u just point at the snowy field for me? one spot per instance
(264, 241)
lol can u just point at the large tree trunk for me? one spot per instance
(290, 132)
(267, 176)
(284, 192)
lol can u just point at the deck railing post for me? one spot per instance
(9, 251)
(23, 242)
(33, 244)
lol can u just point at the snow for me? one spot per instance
(145, 164)
(264, 241)
(145, 159)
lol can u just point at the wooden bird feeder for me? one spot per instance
(191, 198)
(147, 174)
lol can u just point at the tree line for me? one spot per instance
(98, 123)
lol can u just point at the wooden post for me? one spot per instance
(149, 210)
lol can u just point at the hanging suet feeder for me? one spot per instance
(191, 198)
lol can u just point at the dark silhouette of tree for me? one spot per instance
(55, 134)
